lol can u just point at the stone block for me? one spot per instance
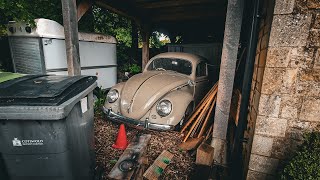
(316, 24)
(264, 41)
(309, 83)
(256, 99)
(269, 105)
(260, 75)
(317, 59)
(290, 30)
(313, 4)
(284, 148)
(269, 126)
(300, 125)
(253, 175)
(263, 164)
(262, 145)
(284, 7)
(289, 81)
(310, 110)
(272, 80)
(314, 38)
(295, 134)
(289, 106)
(301, 57)
(278, 57)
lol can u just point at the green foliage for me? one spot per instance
(131, 68)
(306, 163)
(100, 95)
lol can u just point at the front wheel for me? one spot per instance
(184, 119)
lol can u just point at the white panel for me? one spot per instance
(106, 76)
(91, 54)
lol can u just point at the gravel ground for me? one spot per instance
(105, 135)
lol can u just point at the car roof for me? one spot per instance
(193, 58)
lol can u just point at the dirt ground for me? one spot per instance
(105, 134)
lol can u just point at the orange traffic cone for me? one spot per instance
(121, 142)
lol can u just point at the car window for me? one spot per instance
(201, 69)
(179, 65)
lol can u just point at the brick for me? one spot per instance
(262, 145)
(272, 80)
(269, 126)
(284, 7)
(289, 106)
(313, 4)
(290, 30)
(263, 164)
(253, 175)
(310, 110)
(269, 105)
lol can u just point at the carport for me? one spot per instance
(196, 21)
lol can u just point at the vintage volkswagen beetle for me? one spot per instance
(162, 95)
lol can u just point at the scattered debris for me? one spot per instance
(158, 166)
(129, 160)
(181, 166)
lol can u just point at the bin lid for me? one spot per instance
(42, 90)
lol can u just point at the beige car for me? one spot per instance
(163, 95)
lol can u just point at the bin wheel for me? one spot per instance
(99, 173)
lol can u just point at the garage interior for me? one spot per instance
(233, 24)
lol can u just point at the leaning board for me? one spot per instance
(158, 166)
(133, 148)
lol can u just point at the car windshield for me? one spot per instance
(173, 64)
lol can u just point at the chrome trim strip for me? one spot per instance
(140, 124)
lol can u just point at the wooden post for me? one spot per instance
(145, 47)
(134, 40)
(70, 23)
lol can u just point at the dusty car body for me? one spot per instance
(162, 95)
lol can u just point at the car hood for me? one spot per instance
(141, 91)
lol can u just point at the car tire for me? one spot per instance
(187, 113)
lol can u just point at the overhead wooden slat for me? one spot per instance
(172, 3)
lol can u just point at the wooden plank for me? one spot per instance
(135, 148)
(83, 7)
(158, 166)
(205, 154)
(191, 143)
(70, 23)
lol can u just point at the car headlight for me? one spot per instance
(164, 108)
(112, 95)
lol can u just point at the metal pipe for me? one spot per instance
(237, 164)
(226, 78)
(70, 23)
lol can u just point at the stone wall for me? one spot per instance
(285, 93)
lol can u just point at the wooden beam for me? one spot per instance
(69, 12)
(126, 12)
(166, 4)
(145, 47)
(83, 7)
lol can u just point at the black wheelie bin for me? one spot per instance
(46, 128)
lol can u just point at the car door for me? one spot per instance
(201, 82)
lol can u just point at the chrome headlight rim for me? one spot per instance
(164, 108)
(112, 96)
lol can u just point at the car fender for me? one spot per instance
(115, 106)
(180, 99)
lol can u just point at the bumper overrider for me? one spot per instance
(140, 124)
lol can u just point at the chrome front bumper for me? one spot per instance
(140, 124)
